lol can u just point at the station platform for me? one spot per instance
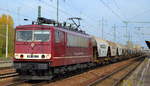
(141, 76)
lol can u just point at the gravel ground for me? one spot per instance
(88, 77)
(140, 77)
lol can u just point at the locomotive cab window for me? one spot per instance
(24, 35)
(41, 35)
(33, 35)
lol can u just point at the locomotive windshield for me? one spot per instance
(33, 35)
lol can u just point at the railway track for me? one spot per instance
(6, 75)
(6, 64)
(90, 77)
(114, 78)
(87, 78)
(7, 70)
(3, 68)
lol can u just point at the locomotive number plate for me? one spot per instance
(32, 56)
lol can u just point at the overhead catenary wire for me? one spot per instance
(85, 15)
(16, 13)
(115, 3)
(63, 11)
(109, 8)
(89, 18)
(143, 12)
(33, 7)
(119, 9)
(22, 15)
(118, 15)
(141, 38)
(9, 11)
(139, 35)
(86, 18)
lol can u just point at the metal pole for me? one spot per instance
(127, 31)
(39, 11)
(57, 11)
(7, 38)
(102, 27)
(114, 32)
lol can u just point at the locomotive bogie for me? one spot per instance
(31, 65)
(33, 70)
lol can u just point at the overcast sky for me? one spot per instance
(91, 12)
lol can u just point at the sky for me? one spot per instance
(112, 12)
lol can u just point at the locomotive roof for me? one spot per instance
(35, 26)
(73, 32)
(47, 26)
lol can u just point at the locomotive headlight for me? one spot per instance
(43, 56)
(21, 56)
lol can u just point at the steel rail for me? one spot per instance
(9, 64)
(8, 75)
(3, 68)
(110, 74)
(2, 62)
(127, 74)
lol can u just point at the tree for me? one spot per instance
(4, 21)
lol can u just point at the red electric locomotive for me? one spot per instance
(42, 51)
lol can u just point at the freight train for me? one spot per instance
(43, 51)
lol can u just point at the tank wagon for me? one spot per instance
(43, 51)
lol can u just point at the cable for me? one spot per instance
(56, 8)
(141, 37)
(7, 10)
(87, 17)
(116, 14)
(115, 3)
(63, 11)
(33, 7)
(117, 6)
(140, 14)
